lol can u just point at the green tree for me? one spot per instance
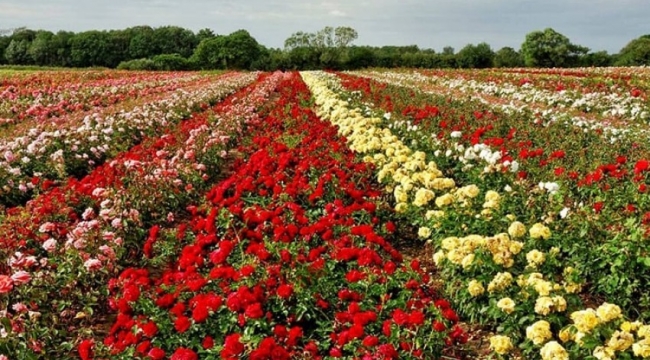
(329, 46)
(41, 50)
(4, 42)
(17, 52)
(549, 48)
(207, 54)
(508, 57)
(204, 34)
(360, 57)
(142, 43)
(91, 48)
(636, 52)
(598, 59)
(175, 40)
(61, 42)
(478, 56)
(239, 50)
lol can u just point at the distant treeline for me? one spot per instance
(176, 48)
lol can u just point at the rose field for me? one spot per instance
(371, 214)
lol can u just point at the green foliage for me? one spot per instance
(549, 48)
(636, 52)
(139, 64)
(476, 56)
(170, 62)
(16, 53)
(508, 57)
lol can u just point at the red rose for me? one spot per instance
(285, 291)
(86, 349)
(208, 342)
(184, 354)
(254, 311)
(232, 347)
(156, 354)
(6, 284)
(182, 324)
(439, 326)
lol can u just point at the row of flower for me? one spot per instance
(43, 156)
(611, 72)
(622, 82)
(503, 267)
(289, 257)
(40, 102)
(59, 252)
(609, 110)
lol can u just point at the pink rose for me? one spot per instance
(92, 264)
(49, 245)
(21, 277)
(6, 284)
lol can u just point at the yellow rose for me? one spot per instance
(560, 303)
(517, 229)
(438, 257)
(475, 288)
(620, 340)
(608, 312)
(515, 247)
(565, 335)
(500, 282)
(553, 351)
(539, 332)
(422, 197)
(506, 305)
(535, 258)
(401, 207)
(444, 200)
(642, 348)
(604, 353)
(467, 261)
(585, 320)
(424, 232)
(434, 214)
(543, 287)
(572, 288)
(538, 231)
(492, 195)
(501, 344)
(450, 243)
(644, 331)
(544, 305)
(470, 191)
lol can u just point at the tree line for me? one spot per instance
(177, 48)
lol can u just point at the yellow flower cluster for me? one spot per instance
(517, 229)
(535, 258)
(506, 305)
(585, 320)
(539, 332)
(620, 341)
(461, 251)
(608, 312)
(546, 304)
(475, 288)
(553, 351)
(540, 231)
(500, 282)
(501, 344)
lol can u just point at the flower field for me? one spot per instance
(373, 214)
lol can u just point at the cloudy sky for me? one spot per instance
(597, 24)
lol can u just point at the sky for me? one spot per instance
(597, 24)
